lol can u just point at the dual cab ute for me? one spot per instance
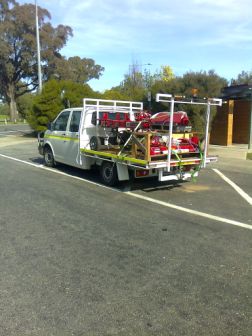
(120, 138)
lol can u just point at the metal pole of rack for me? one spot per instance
(206, 133)
(170, 134)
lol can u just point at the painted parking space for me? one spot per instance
(209, 193)
(239, 190)
(191, 202)
(64, 238)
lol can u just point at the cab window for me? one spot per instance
(61, 122)
(94, 118)
(75, 121)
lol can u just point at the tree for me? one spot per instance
(18, 61)
(208, 84)
(245, 77)
(24, 104)
(56, 96)
(135, 84)
(167, 73)
(76, 69)
(200, 84)
(114, 94)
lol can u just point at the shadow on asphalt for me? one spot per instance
(30, 134)
(147, 185)
(37, 160)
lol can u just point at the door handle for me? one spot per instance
(64, 135)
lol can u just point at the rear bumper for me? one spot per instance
(210, 159)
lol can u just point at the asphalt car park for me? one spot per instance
(13, 129)
(208, 193)
(78, 258)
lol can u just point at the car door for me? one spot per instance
(58, 136)
(71, 148)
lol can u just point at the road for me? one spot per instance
(14, 129)
(78, 258)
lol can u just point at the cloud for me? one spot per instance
(183, 34)
(136, 24)
(106, 24)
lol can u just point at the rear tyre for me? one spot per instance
(108, 173)
(48, 157)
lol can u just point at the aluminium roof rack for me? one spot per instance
(112, 105)
(172, 100)
(168, 98)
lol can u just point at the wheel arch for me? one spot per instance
(48, 145)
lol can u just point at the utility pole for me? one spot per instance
(38, 50)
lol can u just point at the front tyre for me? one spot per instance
(48, 157)
(108, 173)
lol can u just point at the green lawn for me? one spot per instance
(3, 117)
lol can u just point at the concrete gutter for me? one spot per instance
(249, 155)
(236, 151)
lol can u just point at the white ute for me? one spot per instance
(106, 133)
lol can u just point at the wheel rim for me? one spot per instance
(93, 143)
(108, 173)
(48, 157)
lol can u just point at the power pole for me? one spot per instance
(38, 51)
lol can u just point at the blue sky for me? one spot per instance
(188, 35)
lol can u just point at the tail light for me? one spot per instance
(142, 172)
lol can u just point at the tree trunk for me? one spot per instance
(12, 103)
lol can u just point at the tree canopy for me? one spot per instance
(245, 77)
(56, 96)
(137, 85)
(76, 69)
(18, 52)
(202, 84)
(18, 60)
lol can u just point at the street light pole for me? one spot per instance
(38, 50)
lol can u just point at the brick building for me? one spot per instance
(233, 120)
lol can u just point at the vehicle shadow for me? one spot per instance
(37, 160)
(147, 185)
(151, 184)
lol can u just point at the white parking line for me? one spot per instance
(192, 212)
(144, 198)
(235, 186)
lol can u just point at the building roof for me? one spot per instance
(237, 92)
